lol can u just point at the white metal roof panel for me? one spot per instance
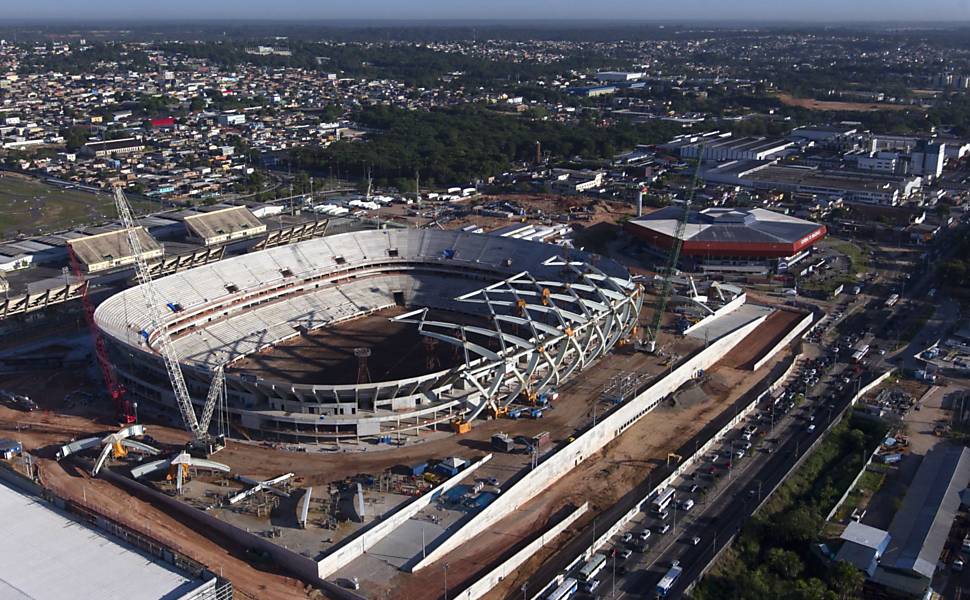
(46, 555)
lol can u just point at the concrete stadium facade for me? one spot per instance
(549, 315)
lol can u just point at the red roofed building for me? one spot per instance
(163, 122)
(730, 239)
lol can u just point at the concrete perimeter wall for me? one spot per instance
(496, 575)
(587, 444)
(732, 305)
(794, 333)
(353, 547)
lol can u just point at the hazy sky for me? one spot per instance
(770, 10)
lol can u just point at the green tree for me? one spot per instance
(75, 137)
(810, 589)
(785, 563)
(846, 580)
(797, 526)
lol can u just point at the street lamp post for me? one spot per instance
(614, 573)
(445, 568)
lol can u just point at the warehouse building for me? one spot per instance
(113, 147)
(730, 239)
(920, 528)
(725, 147)
(858, 188)
(46, 555)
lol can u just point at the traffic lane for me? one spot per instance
(787, 424)
(727, 519)
(557, 563)
(714, 521)
(773, 473)
(732, 517)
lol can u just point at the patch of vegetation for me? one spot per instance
(772, 556)
(868, 484)
(858, 256)
(29, 206)
(464, 144)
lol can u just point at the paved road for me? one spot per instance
(558, 562)
(721, 520)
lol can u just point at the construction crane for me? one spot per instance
(125, 409)
(201, 442)
(652, 334)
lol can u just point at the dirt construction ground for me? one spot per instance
(762, 339)
(601, 480)
(846, 106)
(326, 356)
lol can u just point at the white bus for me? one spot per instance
(667, 581)
(860, 351)
(892, 300)
(662, 500)
(564, 591)
(591, 569)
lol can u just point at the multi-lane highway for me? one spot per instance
(729, 499)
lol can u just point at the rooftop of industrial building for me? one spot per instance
(222, 221)
(47, 555)
(111, 244)
(920, 527)
(751, 144)
(745, 225)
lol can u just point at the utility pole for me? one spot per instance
(614, 572)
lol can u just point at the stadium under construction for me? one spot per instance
(460, 324)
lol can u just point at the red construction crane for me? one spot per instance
(116, 391)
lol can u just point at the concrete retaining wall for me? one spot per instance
(732, 305)
(587, 444)
(496, 575)
(353, 547)
(798, 330)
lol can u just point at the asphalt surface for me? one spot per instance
(728, 522)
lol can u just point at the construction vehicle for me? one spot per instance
(652, 334)
(461, 426)
(498, 411)
(202, 444)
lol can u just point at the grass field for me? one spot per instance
(31, 207)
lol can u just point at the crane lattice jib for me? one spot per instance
(154, 305)
(674, 257)
(215, 391)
